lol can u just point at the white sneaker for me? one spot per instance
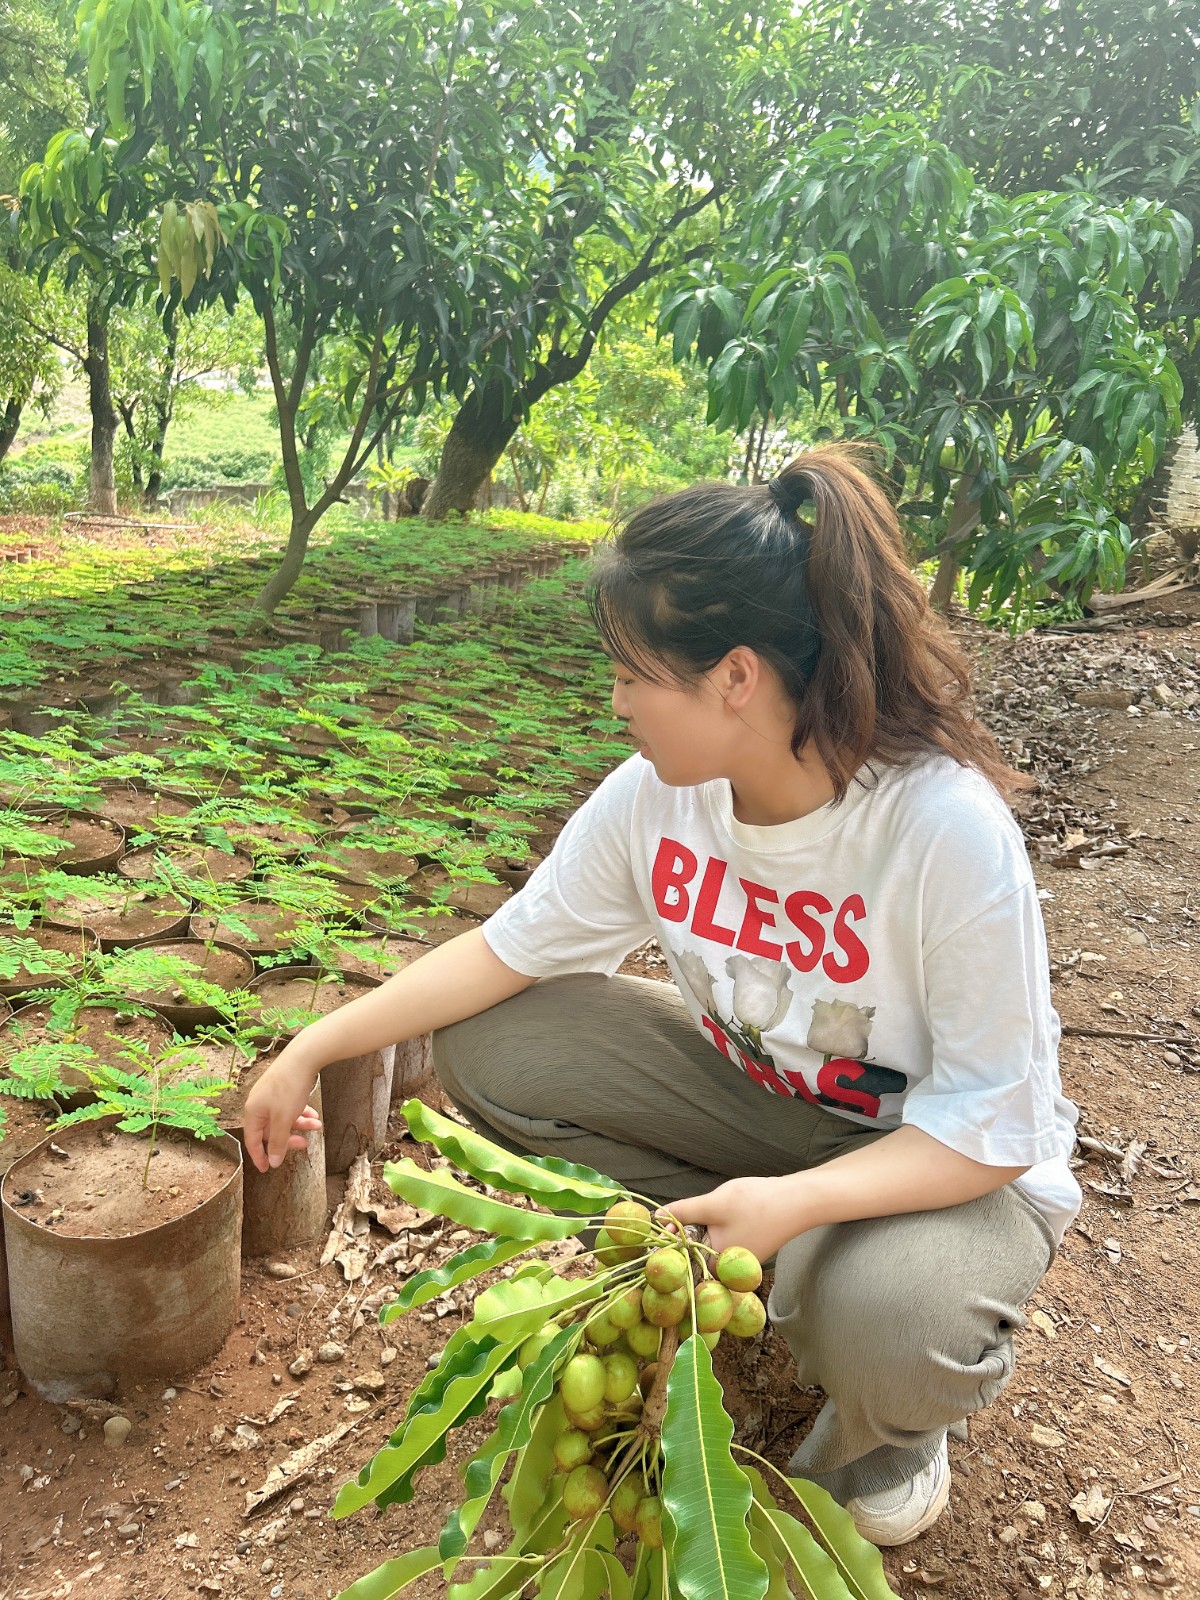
(894, 1516)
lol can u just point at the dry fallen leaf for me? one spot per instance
(1091, 1506)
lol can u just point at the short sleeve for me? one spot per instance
(992, 1091)
(580, 910)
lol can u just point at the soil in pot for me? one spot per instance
(378, 956)
(191, 861)
(83, 842)
(110, 1280)
(430, 925)
(121, 912)
(211, 962)
(360, 864)
(286, 1205)
(269, 928)
(140, 810)
(61, 939)
(476, 899)
(102, 1029)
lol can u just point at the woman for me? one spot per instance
(857, 1072)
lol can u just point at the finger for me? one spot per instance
(277, 1143)
(252, 1138)
(297, 1142)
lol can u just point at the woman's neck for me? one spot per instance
(781, 787)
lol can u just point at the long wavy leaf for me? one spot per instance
(575, 1575)
(466, 1377)
(767, 1547)
(705, 1494)
(427, 1285)
(513, 1432)
(816, 1571)
(560, 1185)
(526, 1491)
(515, 1307)
(858, 1561)
(443, 1195)
(393, 1576)
(497, 1580)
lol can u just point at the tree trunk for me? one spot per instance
(10, 421)
(964, 519)
(128, 410)
(162, 407)
(281, 580)
(102, 490)
(479, 437)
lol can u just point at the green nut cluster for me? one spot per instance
(656, 1289)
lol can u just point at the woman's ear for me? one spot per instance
(738, 676)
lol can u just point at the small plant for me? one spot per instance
(615, 1424)
(35, 1072)
(152, 1092)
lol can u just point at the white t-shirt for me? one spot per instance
(883, 957)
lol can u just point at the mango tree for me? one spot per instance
(994, 347)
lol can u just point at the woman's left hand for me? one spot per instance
(760, 1214)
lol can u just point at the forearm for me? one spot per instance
(457, 980)
(905, 1171)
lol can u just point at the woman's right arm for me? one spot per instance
(457, 980)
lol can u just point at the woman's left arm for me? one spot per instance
(907, 1170)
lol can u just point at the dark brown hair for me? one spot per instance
(810, 572)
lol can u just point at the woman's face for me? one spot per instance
(679, 729)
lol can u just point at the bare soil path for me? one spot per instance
(1081, 1481)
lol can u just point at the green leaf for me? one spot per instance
(468, 1264)
(445, 1196)
(497, 1580)
(705, 1494)
(858, 1562)
(526, 1489)
(546, 1180)
(817, 1572)
(514, 1431)
(512, 1309)
(393, 1576)
(766, 1545)
(462, 1377)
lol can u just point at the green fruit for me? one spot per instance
(644, 1339)
(626, 1309)
(582, 1382)
(572, 1449)
(627, 1497)
(608, 1253)
(714, 1306)
(535, 1344)
(620, 1377)
(710, 1340)
(589, 1421)
(739, 1269)
(601, 1331)
(584, 1493)
(664, 1310)
(667, 1269)
(628, 1223)
(749, 1316)
(649, 1522)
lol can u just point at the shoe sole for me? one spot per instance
(889, 1541)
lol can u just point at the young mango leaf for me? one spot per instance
(858, 1562)
(465, 1376)
(705, 1494)
(547, 1181)
(647, 1581)
(393, 1576)
(575, 1575)
(816, 1571)
(445, 1196)
(468, 1264)
(498, 1579)
(766, 1546)
(514, 1432)
(516, 1307)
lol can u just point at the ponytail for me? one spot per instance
(809, 571)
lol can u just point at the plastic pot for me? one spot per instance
(286, 1205)
(124, 1284)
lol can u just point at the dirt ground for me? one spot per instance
(1080, 1481)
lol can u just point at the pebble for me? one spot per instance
(302, 1364)
(493, 1539)
(282, 1270)
(432, 1361)
(129, 1530)
(331, 1351)
(169, 1395)
(276, 1591)
(116, 1431)
(71, 1424)
(297, 1505)
(267, 1566)
(1008, 1534)
(1033, 1509)
(387, 1355)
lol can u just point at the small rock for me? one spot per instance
(1163, 693)
(10, 1399)
(276, 1591)
(242, 1549)
(129, 1530)
(217, 1434)
(331, 1351)
(209, 1585)
(302, 1364)
(1047, 1438)
(1009, 1534)
(26, 1474)
(172, 1483)
(432, 1361)
(277, 1378)
(282, 1270)
(297, 1505)
(1034, 1510)
(493, 1539)
(387, 1355)
(116, 1431)
(187, 1541)
(71, 1424)
(372, 1382)
(267, 1566)
(1109, 698)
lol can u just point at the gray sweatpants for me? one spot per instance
(905, 1322)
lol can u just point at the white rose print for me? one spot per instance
(839, 1028)
(761, 995)
(699, 978)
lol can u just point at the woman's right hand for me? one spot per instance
(277, 1117)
